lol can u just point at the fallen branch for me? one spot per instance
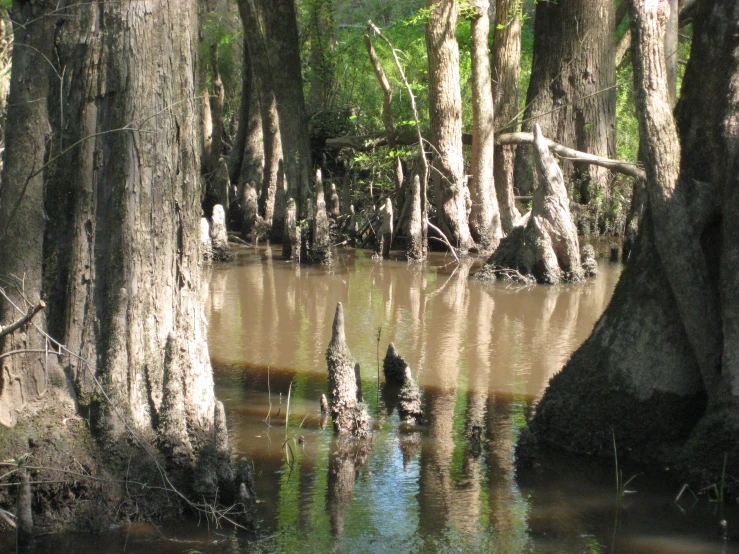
(446, 240)
(366, 143)
(24, 320)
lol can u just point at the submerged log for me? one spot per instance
(219, 235)
(334, 205)
(291, 240)
(385, 232)
(545, 244)
(348, 413)
(206, 247)
(415, 249)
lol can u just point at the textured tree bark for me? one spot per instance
(679, 248)
(349, 415)
(572, 93)
(485, 225)
(659, 370)
(265, 84)
(122, 249)
(281, 30)
(445, 113)
(23, 378)
(252, 165)
(246, 109)
(505, 74)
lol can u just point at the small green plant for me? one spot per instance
(379, 334)
(621, 489)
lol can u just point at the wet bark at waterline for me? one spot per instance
(658, 372)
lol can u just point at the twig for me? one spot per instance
(24, 320)
(443, 236)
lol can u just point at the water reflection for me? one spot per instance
(482, 354)
(479, 352)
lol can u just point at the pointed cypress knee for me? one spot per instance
(24, 521)
(414, 247)
(394, 366)
(349, 415)
(221, 249)
(321, 248)
(410, 408)
(291, 238)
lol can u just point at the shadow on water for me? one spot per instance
(482, 355)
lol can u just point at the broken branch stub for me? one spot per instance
(348, 413)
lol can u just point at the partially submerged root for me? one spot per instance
(350, 416)
(545, 243)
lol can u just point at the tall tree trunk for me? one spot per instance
(121, 255)
(216, 110)
(322, 40)
(484, 216)
(445, 113)
(671, 57)
(23, 378)
(271, 135)
(572, 93)
(666, 345)
(506, 73)
(281, 30)
(246, 162)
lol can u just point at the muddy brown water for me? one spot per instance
(483, 355)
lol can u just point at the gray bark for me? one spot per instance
(23, 378)
(445, 114)
(484, 219)
(124, 208)
(572, 93)
(219, 235)
(506, 72)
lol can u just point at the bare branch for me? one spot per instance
(22, 321)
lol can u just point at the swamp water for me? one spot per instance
(482, 354)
